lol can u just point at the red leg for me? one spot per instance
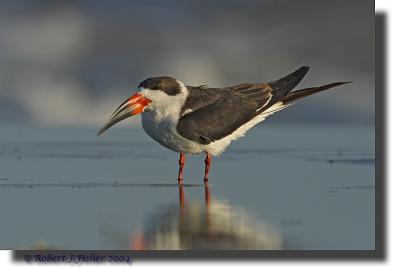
(207, 162)
(181, 164)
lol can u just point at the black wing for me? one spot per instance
(210, 114)
(216, 113)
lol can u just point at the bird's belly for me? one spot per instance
(164, 132)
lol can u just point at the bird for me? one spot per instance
(202, 119)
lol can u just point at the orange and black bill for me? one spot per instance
(132, 106)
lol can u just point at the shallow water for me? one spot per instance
(289, 187)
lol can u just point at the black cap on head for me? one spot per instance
(168, 85)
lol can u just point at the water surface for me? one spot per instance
(308, 187)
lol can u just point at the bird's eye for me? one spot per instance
(161, 86)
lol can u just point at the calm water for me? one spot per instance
(280, 187)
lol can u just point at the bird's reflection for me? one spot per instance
(210, 226)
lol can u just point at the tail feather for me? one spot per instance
(282, 96)
(284, 85)
(295, 95)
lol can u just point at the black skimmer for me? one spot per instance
(197, 119)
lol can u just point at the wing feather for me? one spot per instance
(216, 113)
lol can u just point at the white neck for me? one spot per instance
(164, 106)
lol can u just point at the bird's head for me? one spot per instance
(153, 93)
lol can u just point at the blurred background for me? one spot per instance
(70, 63)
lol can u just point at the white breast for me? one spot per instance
(164, 132)
(159, 120)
